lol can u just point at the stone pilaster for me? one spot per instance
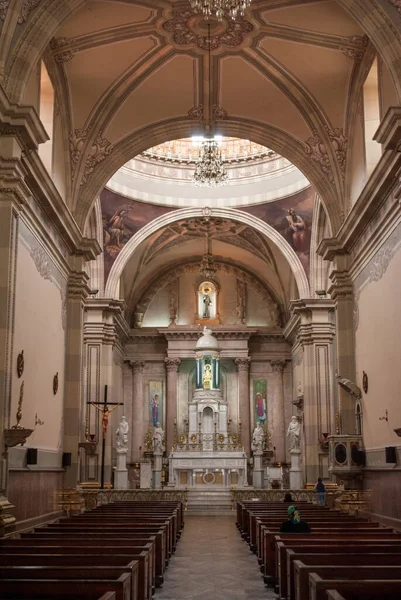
(128, 402)
(77, 292)
(312, 327)
(276, 421)
(172, 365)
(13, 195)
(341, 292)
(244, 402)
(137, 434)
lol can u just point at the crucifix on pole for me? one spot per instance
(105, 422)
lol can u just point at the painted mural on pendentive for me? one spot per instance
(122, 218)
(155, 403)
(292, 217)
(260, 400)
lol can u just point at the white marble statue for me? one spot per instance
(293, 434)
(258, 438)
(158, 439)
(122, 435)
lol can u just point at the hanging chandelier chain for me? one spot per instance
(220, 8)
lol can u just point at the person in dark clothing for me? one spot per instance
(287, 497)
(294, 523)
(320, 490)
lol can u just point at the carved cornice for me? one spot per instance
(389, 131)
(78, 288)
(101, 148)
(172, 364)
(21, 122)
(107, 332)
(243, 364)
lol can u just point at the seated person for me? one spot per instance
(294, 523)
(287, 497)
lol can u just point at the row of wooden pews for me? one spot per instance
(116, 552)
(343, 558)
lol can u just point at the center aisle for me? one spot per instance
(212, 562)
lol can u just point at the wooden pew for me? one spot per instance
(83, 574)
(302, 572)
(51, 589)
(334, 555)
(144, 585)
(366, 589)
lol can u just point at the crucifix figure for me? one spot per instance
(105, 410)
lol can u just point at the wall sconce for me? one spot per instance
(385, 418)
(320, 293)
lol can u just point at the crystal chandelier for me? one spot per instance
(209, 168)
(219, 8)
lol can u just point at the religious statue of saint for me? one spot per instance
(260, 408)
(207, 301)
(122, 435)
(105, 416)
(155, 409)
(258, 438)
(293, 434)
(158, 439)
(207, 377)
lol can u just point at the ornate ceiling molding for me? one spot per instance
(188, 28)
(26, 8)
(159, 282)
(100, 149)
(397, 4)
(316, 149)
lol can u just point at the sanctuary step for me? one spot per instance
(209, 500)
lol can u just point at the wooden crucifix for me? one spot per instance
(105, 422)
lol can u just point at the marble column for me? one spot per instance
(276, 420)
(172, 365)
(244, 403)
(137, 434)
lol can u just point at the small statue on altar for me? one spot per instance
(207, 377)
(158, 439)
(122, 435)
(258, 438)
(293, 434)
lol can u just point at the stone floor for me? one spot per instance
(212, 562)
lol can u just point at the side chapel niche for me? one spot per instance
(207, 303)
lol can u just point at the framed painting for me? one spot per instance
(260, 401)
(155, 403)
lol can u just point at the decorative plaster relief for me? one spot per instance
(188, 28)
(356, 54)
(376, 268)
(101, 148)
(39, 257)
(65, 54)
(26, 9)
(315, 148)
(4, 4)
(397, 4)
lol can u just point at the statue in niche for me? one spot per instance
(158, 439)
(122, 435)
(207, 302)
(258, 438)
(207, 377)
(293, 434)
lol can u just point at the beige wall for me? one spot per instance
(39, 333)
(378, 347)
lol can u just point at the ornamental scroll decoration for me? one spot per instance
(316, 149)
(396, 4)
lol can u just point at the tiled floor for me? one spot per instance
(212, 562)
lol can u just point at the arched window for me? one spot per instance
(371, 109)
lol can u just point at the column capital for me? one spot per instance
(78, 288)
(172, 364)
(243, 363)
(137, 366)
(277, 366)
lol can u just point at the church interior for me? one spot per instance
(200, 216)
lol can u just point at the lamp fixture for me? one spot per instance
(220, 8)
(207, 266)
(209, 170)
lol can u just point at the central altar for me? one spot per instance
(208, 453)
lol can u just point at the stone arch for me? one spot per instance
(261, 133)
(187, 213)
(160, 281)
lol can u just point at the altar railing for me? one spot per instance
(75, 501)
(304, 495)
